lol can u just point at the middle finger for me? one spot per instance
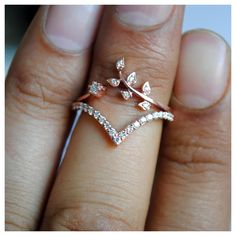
(101, 187)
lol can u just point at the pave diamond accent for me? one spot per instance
(101, 119)
(144, 105)
(119, 136)
(136, 124)
(126, 94)
(114, 82)
(90, 111)
(142, 120)
(120, 64)
(96, 114)
(131, 79)
(146, 88)
(149, 117)
(96, 88)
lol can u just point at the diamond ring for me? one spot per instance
(127, 90)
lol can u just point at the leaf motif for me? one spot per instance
(113, 82)
(120, 64)
(145, 105)
(146, 88)
(126, 94)
(131, 79)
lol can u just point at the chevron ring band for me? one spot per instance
(127, 91)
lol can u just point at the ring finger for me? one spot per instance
(101, 187)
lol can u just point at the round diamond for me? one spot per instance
(90, 111)
(101, 119)
(117, 140)
(142, 120)
(106, 125)
(149, 117)
(112, 132)
(123, 134)
(156, 115)
(136, 124)
(96, 114)
(96, 89)
(130, 129)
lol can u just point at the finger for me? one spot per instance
(108, 188)
(48, 71)
(192, 189)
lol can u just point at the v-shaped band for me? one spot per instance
(119, 136)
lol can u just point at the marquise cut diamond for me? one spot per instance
(120, 64)
(113, 82)
(126, 94)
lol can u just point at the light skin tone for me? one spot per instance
(171, 177)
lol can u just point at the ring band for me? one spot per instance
(97, 90)
(118, 136)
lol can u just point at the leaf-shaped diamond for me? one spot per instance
(131, 79)
(146, 88)
(126, 94)
(145, 105)
(113, 82)
(120, 64)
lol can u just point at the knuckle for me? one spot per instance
(44, 82)
(44, 86)
(88, 216)
(35, 93)
(197, 151)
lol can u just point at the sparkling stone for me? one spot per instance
(90, 111)
(96, 88)
(112, 132)
(113, 82)
(84, 105)
(160, 114)
(96, 114)
(171, 116)
(120, 64)
(131, 79)
(101, 119)
(145, 105)
(126, 94)
(165, 115)
(142, 120)
(156, 115)
(130, 129)
(168, 116)
(149, 117)
(117, 140)
(146, 88)
(136, 124)
(123, 134)
(106, 125)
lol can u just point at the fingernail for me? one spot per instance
(203, 69)
(143, 15)
(72, 27)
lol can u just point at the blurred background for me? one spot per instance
(213, 17)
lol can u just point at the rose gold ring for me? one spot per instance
(127, 91)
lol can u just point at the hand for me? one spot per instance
(99, 186)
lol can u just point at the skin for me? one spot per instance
(100, 187)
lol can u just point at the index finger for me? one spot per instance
(47, 73)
